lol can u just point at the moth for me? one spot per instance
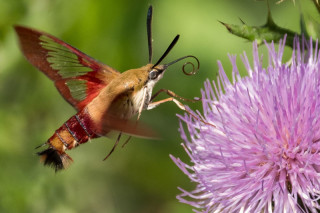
(104, 98)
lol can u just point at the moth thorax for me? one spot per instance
(142, 96)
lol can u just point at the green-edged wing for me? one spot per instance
(78, 77)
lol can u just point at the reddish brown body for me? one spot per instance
(104, 98)
(75, 131)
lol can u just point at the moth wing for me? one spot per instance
(116, 111)
(78, 77)
(129, 127)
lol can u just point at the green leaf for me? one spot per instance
(268, 32)
(312, 26)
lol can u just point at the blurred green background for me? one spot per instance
(139, 177)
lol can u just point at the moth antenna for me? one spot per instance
(149, 32)
(175, 40)
(194, 69)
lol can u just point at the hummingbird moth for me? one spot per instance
(104, 98)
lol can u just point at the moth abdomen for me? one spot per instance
(53, 158)
(75, 131)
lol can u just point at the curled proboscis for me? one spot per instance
(194, 69)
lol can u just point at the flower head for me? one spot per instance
(264, 153)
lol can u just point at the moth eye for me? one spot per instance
(153, 74)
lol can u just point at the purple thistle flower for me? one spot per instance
(264, 153)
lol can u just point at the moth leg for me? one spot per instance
(178, 103)
(157, 103)
(114, 146)
(42, 145)
(127, 141)
(172, 94)
(173, 97)
(142, 102)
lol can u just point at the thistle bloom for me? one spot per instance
(264, 153)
